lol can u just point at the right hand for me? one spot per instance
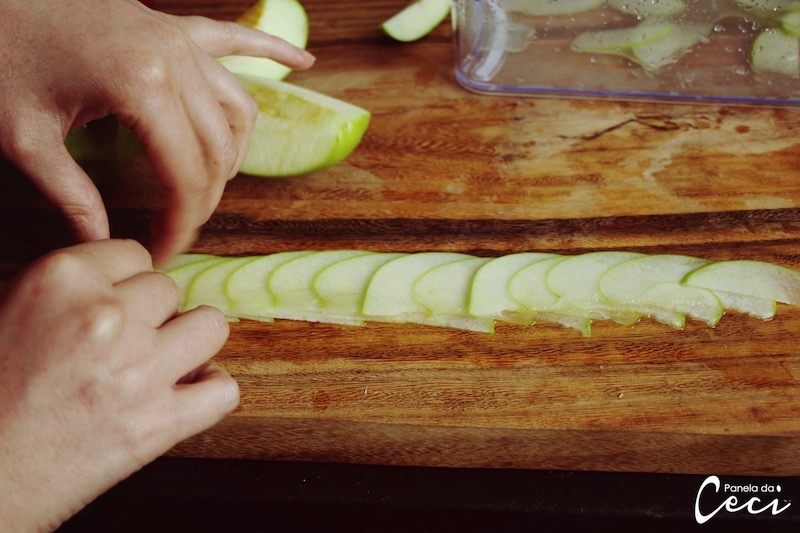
(63, 64)
(98, 377)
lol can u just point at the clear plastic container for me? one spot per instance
(727, 51)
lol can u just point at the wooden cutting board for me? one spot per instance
(443, 169)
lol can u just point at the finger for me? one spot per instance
(204, 402)
(169, 136)
(64, 183)
(191, 339)
(151, 297)
(116, 259)
(222, 38)
(237, 104)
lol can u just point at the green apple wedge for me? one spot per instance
(285, 19)
(417, 19)
(292, 287)
(247, 288)
(748, 286)
(551, 8)
(208, 286)
(389, 296)
(528, 287)
(649, 8)
(489, 295)
(341, 286)
(776, 52)
(298, 130)
(444, 292)
(575, 281)
(651, 286)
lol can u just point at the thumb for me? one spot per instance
(64, 183)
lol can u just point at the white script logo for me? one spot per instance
(754, 505)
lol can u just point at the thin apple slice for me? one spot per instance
(548, 8)
(444, 292)
(341, 286)
(184, 274)
(389, 295)
(650, 285)
(529, 288)
(649, 8)
(776, 52)
(285, 19)
(292, 287)
(575, 281)
(747, 286)
(417, 19)
(489, 296)
(247, 288)
(297, 130)
(620, 41)
(680, 41)
(208, 286)
(185, 259)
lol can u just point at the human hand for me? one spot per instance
(63, 64)
(98, 376)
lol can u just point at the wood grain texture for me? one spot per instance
(444, 169)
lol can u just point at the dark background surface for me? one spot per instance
(179, 494)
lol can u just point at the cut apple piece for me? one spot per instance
(389, 296)
(620, 41)
(791, 23)
(650, 285)
(649, 8)
(341, 287)
(247, 288)
(208, 286)
(297, 130)
(529, 288)
(681, 39)
(547, 8)
(575, 281)
(444, 292)
(285, 19)
(489, 295)
(417, 19)
(184, 274)
(776, 52)
(292, 287)
(747, 286)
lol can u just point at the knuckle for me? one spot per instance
(101, 321)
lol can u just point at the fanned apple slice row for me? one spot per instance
(389, 296)
(490, 297)
(208, 286)
(184, 274)
(529, 288)
(749, 286)
(444, 292)
(576, 282)
(650, 285)
(247, 286)
(292, 287)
